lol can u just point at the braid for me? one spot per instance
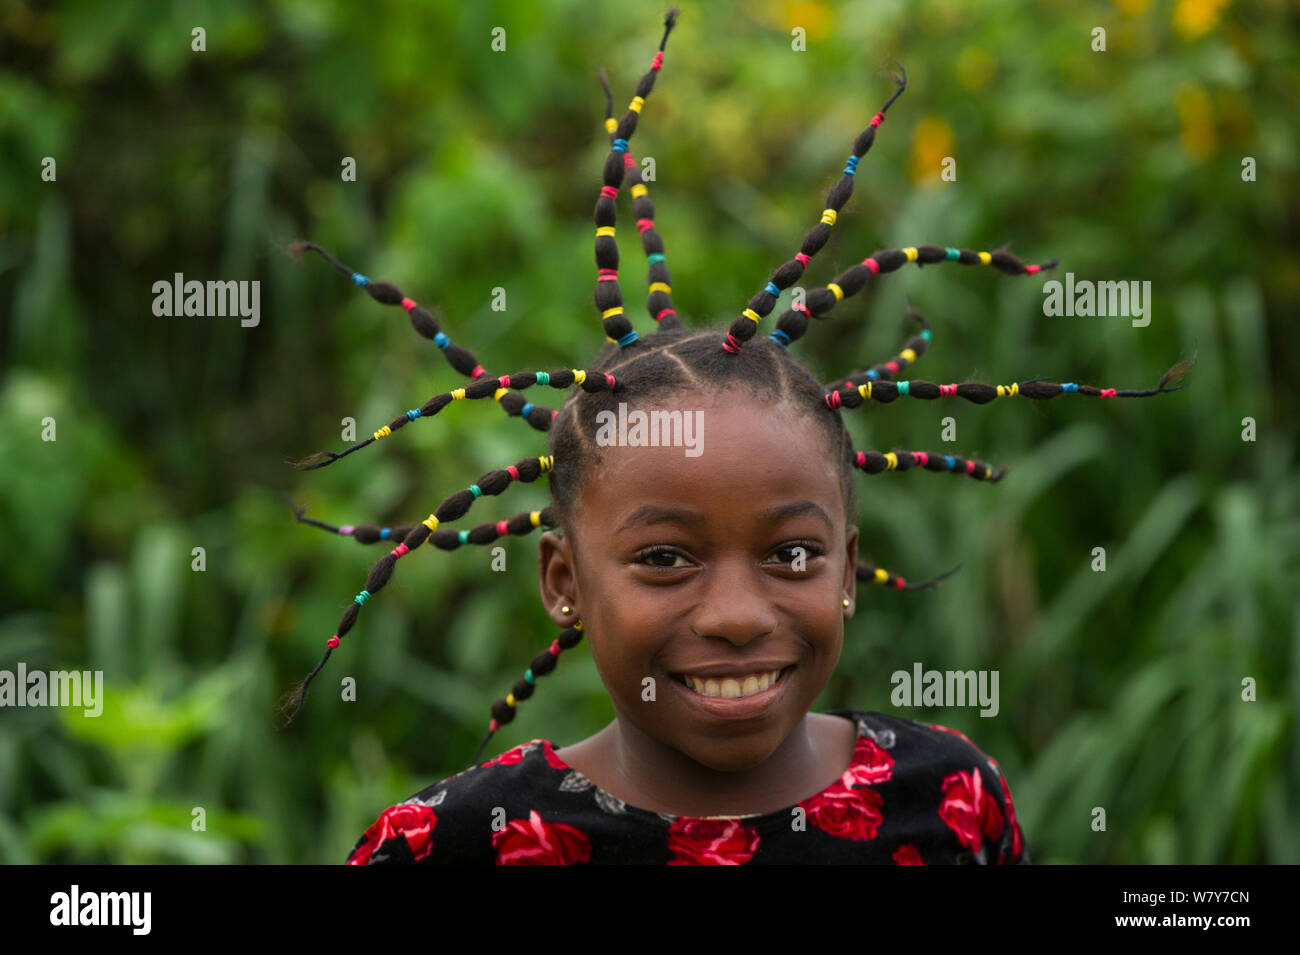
(794, 322)
(609, 300)
(659, 303)
(673, 360)
(744, 327)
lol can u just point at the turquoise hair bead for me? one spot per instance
(543, 378)
(464, 537)
(528, 675)
(475, 490)
(903, 386)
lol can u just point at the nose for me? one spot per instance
(734, 606)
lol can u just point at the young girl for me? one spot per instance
(713, 587)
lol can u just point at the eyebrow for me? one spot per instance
(658, 514)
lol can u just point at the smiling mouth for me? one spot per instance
(733, 687)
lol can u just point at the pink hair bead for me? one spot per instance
(408, 303)
(501, 528)
(346, 529)
(333, 642)
(513, 472)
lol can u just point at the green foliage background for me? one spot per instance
(479, 169)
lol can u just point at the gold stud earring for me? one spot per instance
(564, 610)
(845, 601)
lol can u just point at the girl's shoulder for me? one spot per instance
(472, 801)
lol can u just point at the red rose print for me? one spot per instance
(1017, 838)
(906, 854)
(414, 823)
(969, 810)
(509, 757)
(871, 764)
(844, 812)
(534, 842)
(551, 758)
(711, 842)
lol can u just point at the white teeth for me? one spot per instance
(733, 687)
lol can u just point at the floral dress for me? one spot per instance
(915, 794)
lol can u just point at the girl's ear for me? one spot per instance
(850, 568)
(557, 578)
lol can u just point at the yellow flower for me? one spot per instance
(932, 142)
(1194, 18)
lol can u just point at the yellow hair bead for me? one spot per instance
(535, 518)
(510, 699)
(987, 470)
(661, 287)
(639, 190)
(611, 312)
(985, 258)
(577, 625)
(496, 396)
(430, 522)
(752, 315)
(910, 252)
(891, 459)
(881, 575)
(547, 462)
(908, 354)
(1005, 391)
(838, 292)
(383, 432)
(829, 216)
(865, 390)
(636, 104)
(457, 394)
(605, 230)
(611, 124)
(579, 376)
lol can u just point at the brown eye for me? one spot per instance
(809, 548)
(658, 557)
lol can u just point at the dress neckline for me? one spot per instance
(575, 781)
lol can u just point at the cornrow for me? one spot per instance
(659, 302)
(744, 326)
(499, 388)
(608, 298)
(794, 322)
(670, 361)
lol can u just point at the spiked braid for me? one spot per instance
(608, 297)
(794, 322)
(744, 326)
(672, 361)
(659, 303)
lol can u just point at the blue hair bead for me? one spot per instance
(475, 490)
(528, 406)
(441, 340)
(951, 463)
(772, 290)
(360, 279)
(543, 377)
(627, 339)
(383, 535)
(780, 337)
(619, 146)
(413, 414)
(873, 374)
(852, 165)
(1069, 388)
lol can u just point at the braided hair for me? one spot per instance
(669, 361)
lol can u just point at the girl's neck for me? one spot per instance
(643, 772)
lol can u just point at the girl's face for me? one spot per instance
(685, 573)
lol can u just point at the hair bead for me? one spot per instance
(985, 258)
(638, 190)
(660, 287)
(619, 146)
(829, 216)
(837, 291)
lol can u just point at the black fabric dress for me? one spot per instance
(915, 794)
